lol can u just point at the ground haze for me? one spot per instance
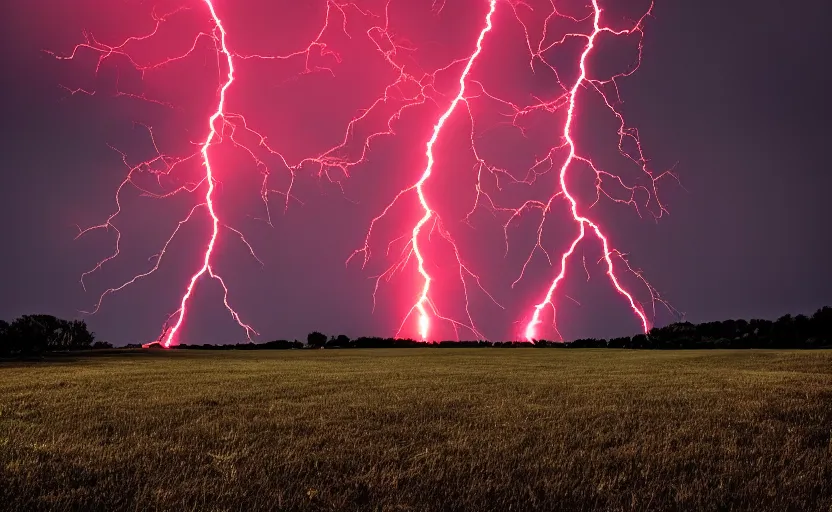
(419, 429)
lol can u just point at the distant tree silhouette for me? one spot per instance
(316, 339)
(623, 342)
(276, 344)
(5, 339)
(376, 342)
(589, 343)
(79, 335)
(341, 341)
(820, 329)
(34, 334)
(639, 341)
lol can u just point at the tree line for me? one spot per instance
(799, 331)
(37, 334)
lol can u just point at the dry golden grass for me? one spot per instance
(419, 429)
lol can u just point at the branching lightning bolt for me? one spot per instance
(209, 195)
(581, 219)
(424, 302)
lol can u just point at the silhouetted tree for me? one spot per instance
(78, 335)
(33, 334)
(821, 326)
(274, 345)
(588, 343)
(639, 341)
(342, 341)
(316, 339)
(620, 343)
(5, 339)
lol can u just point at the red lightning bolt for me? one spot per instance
(106, 52)
(424, 300)
(209, 178)
(424, 306)
(583, 221)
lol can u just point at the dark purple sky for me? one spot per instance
(735, 92)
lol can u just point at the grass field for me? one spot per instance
(419, 429)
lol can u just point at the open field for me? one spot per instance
(419, 429)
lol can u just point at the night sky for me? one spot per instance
(732, 93)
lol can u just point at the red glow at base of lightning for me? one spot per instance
(424, 300)
(406, 90)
